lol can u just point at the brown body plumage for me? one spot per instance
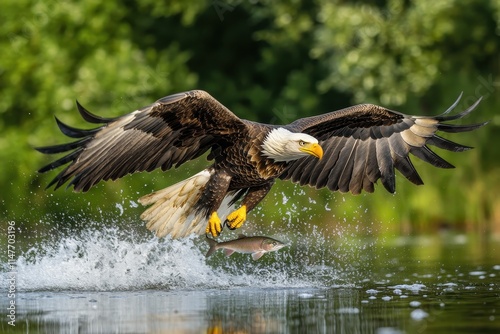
(359, 145)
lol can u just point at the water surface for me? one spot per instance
(117, 280)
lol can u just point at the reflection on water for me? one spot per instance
(112, 281)
(369, 308)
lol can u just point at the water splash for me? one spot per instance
(103, 258)
(107, 259)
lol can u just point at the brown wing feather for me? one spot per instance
(173, 130)
(365, 143)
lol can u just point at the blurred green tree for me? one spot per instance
(270, 61)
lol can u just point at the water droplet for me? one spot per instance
(419, 314)
(415, 303)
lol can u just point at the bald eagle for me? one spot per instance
(347, 150)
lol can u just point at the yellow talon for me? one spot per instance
(236, 218)
(214, 225)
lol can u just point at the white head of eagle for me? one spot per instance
(283, 145)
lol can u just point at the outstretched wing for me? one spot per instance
(171, 131)
(366, 142)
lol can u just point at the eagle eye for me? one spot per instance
(302, 143)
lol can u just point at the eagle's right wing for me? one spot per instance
(173, 130)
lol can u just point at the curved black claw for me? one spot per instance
(229, 227)
(209, 234)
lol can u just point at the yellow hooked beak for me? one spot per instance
(313, 149)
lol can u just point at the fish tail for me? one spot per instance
(213, 246)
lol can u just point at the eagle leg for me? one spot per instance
(211, 199)
(253, 197)
(214, 225)
(236, 218)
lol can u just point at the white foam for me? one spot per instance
(415, 288)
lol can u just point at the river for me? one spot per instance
(120, 280)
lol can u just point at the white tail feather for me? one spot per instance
(173, 209)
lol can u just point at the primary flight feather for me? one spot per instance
(344, 150)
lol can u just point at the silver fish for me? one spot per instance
(257, 246)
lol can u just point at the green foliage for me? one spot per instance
(270, 61)
(403, 48)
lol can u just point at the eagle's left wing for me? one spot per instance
(366, 142)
